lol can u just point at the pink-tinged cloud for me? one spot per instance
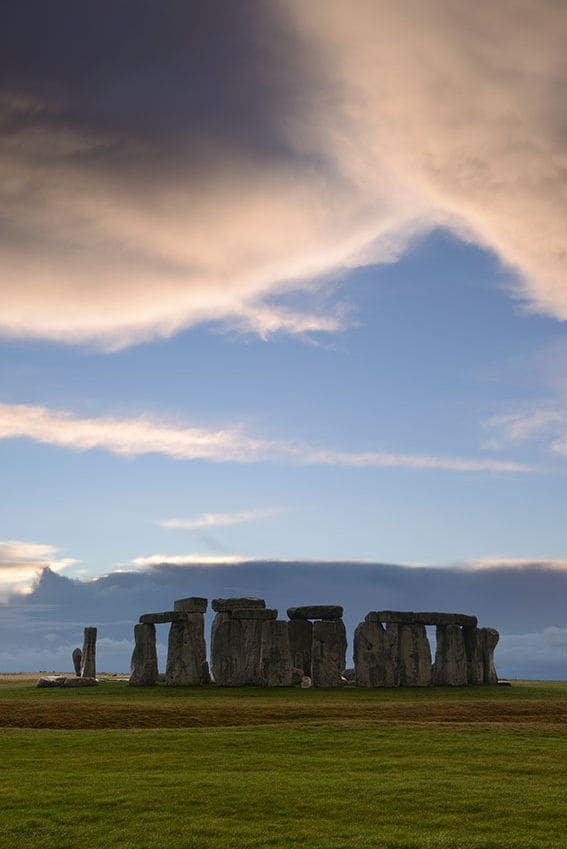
(136, 436)
(130, 210)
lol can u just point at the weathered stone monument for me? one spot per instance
(374, 661)
(186, 653)
(88, 659)
(144, 665)
(251, 647)
(236, 640)
(77, 661)
(328, 644)
(276, 664)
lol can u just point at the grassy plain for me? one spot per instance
(473, 768)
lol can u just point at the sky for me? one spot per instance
(282, 290)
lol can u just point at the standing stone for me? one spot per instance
(328, 653)
(77, 660)
(276, 665)
(144, 665)
(412, 653)
(88, 660)
(226, 650)
(300, 640)
(236, 640)
(374, 661)
(450, 668)
(186, 653)
(474, 653)
(489, 637)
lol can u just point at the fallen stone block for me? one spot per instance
(52, 681)
(80, 682)
(316, 611)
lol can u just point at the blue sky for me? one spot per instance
(282, 282)
(436, 349)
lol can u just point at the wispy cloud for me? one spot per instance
(218, 520)
(21, 562)
(544, 424)
(143, 435)
(496, 562)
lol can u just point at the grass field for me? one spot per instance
(120, 767)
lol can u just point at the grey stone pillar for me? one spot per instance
(412, 654)
(236, 640)
(276, 665)
(144, 665)
(77, 661)
(328, 657)
(374, 661)
(186, 652)
(474, 653)
(300, 639)
(489, 637)
(88, 661)
(450, 668)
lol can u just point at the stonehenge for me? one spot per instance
(250, 646)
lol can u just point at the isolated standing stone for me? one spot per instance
(276, 666)
(144, 665)
(374, 661)
(88, 661)
(77, 660)
(474, 652)
(328, 653)
(300, 639)
(489, 637)
(450, 668)
(187, 653)
(412, 653)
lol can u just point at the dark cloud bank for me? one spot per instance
(526, 604)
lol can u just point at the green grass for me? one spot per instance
(355, 780)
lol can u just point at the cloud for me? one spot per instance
(218, 520)
(527, 605)
(207, 178)
(541, 563)
(545, 425)
(143, 435)
(190, 560)
(21, 562)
